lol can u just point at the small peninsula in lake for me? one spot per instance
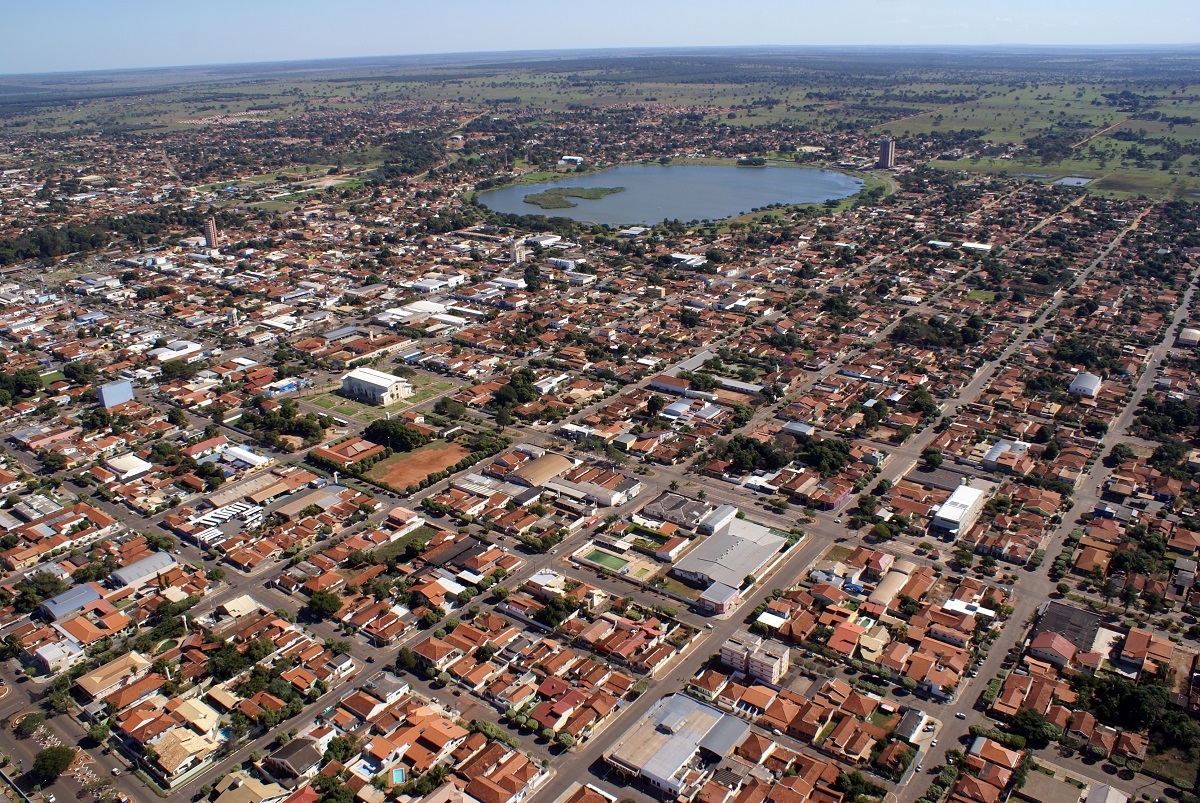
(557, 197)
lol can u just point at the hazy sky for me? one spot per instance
(58, 35)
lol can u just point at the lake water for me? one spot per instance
(654, 193)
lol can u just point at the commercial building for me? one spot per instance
(1079, 626)
(1188, 337)
(542, 470)
(735, 551)
(959, 513)
(892, 583)
(68, 602)
(138, 573)
(115, 393)
(1087, 385)
(672, 746)
(765, 659)
(128, 466)
(376, 387)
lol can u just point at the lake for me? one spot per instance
(654, 193)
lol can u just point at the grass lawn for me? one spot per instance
(883, 719)
(396, 548)
(1174, 765)
(53, 376)
(401, 470)
(425, 388)
(986, 296)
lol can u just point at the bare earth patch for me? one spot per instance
(402, 470)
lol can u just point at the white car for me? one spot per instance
(960, 715)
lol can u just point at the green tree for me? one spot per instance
(1034, 727)
(341, 748)
(395, 434)
(324, 604)
(932, 457)
(1118, 454)
(406, 660)
(98, 732)
(1129, 595)
(52, 762)
(53, 461)
(1108, 590)
(30, 724)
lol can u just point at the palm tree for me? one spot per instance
(673, 485)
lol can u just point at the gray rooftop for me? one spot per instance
(139, 571)
(1076, 625)
(737, 549)
(69, 601)
(671, 732)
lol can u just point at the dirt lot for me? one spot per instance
(401, 470)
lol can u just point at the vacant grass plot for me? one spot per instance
(837, 552)
(396, 548)
(678, 588)
(1174, 765)
(402, 470)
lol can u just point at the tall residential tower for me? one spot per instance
(887, 154)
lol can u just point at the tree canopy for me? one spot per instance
(324, 604)
(53, 762)
(395, 435)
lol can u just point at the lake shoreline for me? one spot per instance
(654, 192)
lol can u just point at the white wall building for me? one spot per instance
(376, 387)
(959, 513)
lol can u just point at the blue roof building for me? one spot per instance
(68, 602)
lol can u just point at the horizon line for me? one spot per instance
(633, 49)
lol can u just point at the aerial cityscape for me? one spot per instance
(599, 421)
